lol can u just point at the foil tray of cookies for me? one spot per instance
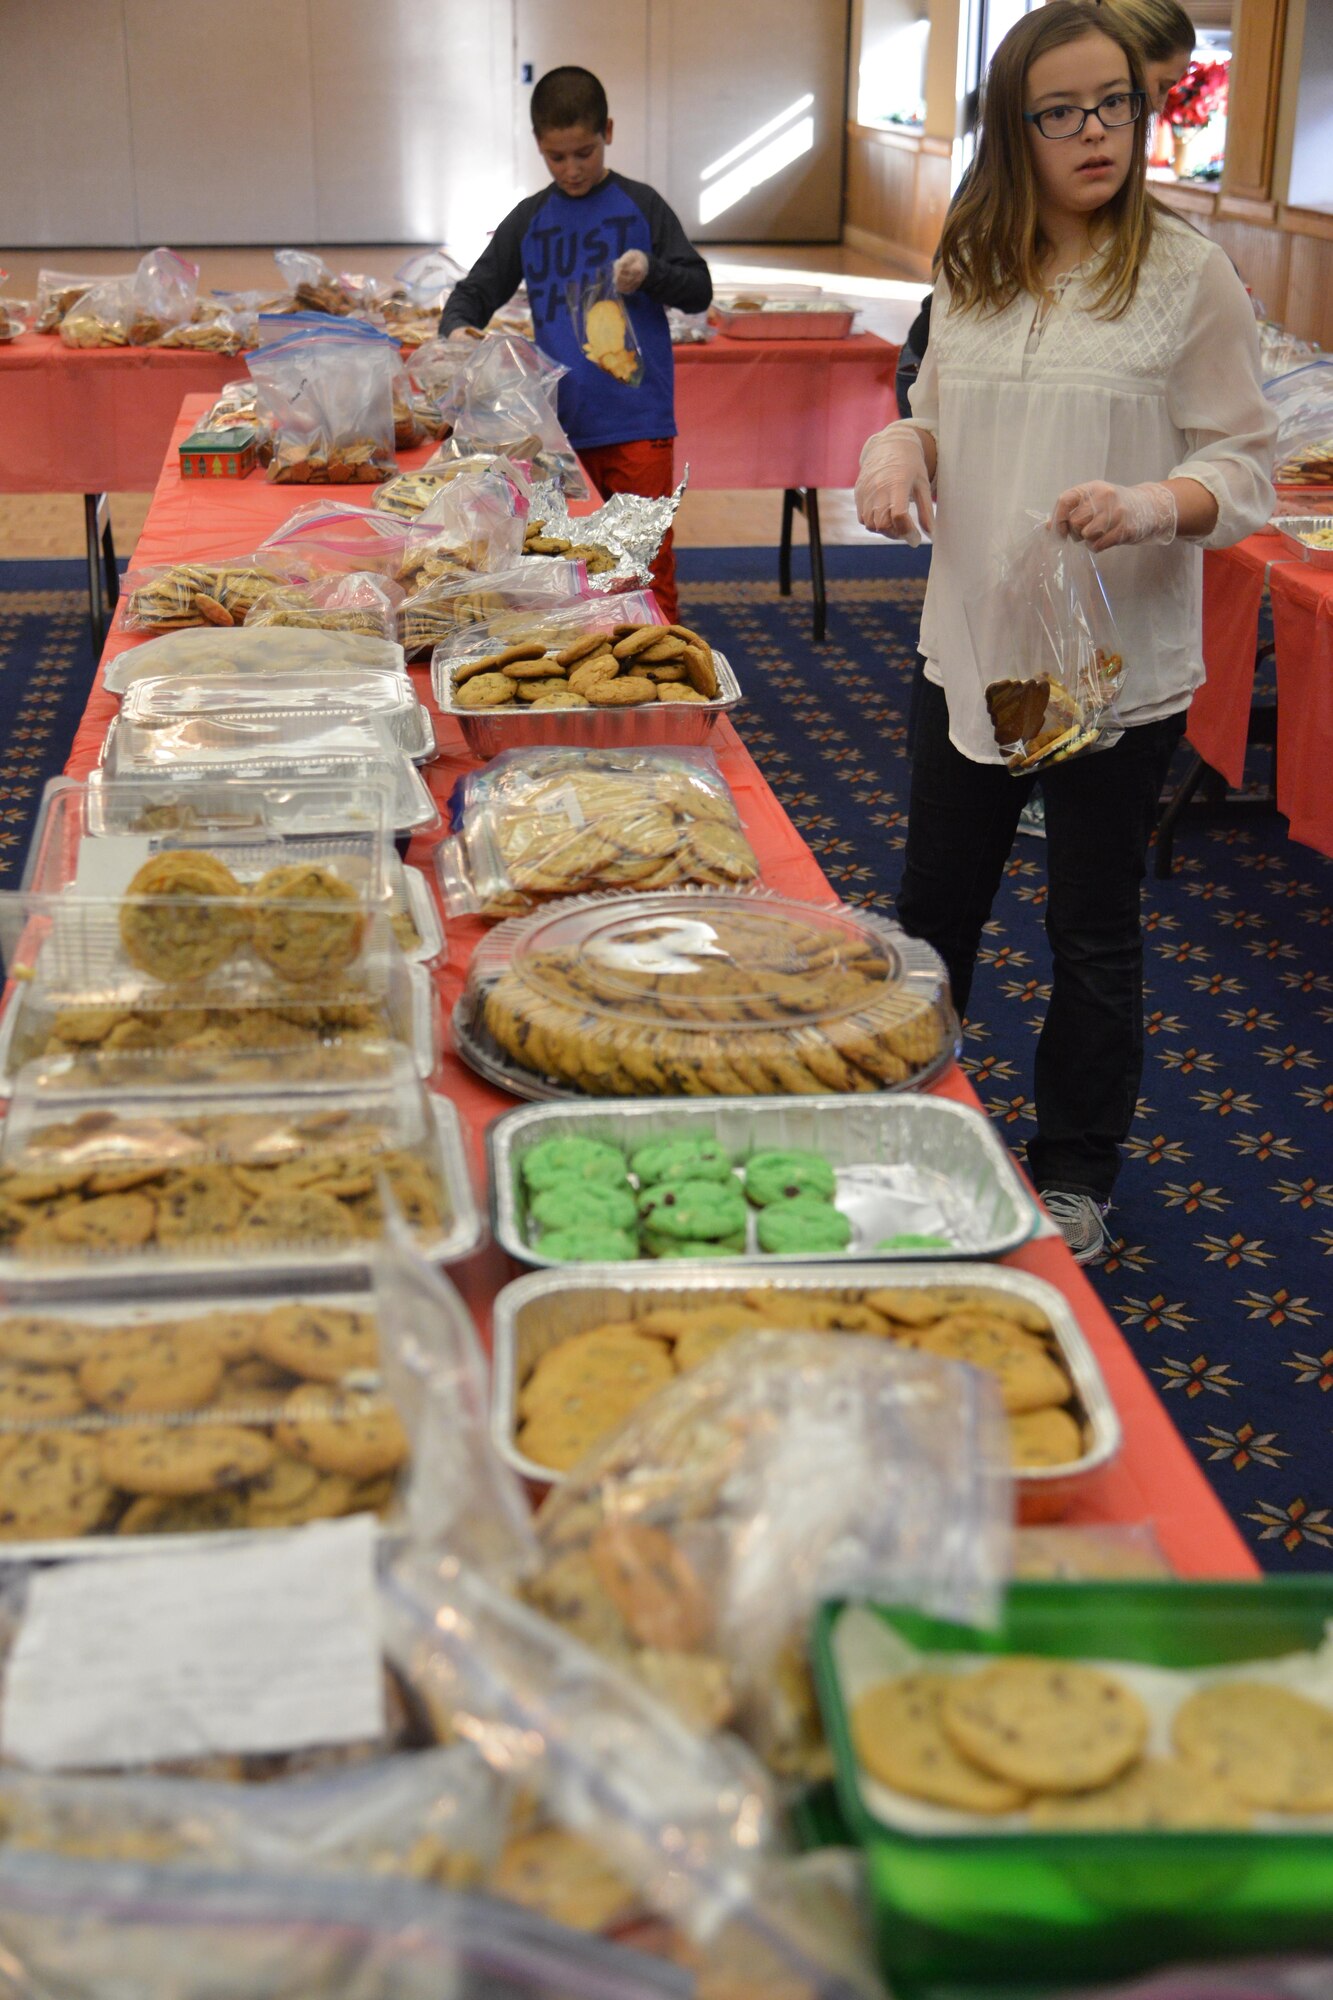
(200, 1415)
(536, 825)
(552, 1326)
(910, 1178)
(703, 993)
(1310, 535)
(142, 1178)
(263, 650)
(174, 716)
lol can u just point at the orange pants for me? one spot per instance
(645, 466)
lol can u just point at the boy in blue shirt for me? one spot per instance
(568, 233)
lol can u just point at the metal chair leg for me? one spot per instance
(816, 564)
(97, 617)
(790, 502)
(110, 571)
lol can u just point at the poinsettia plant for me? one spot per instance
(1200, 94)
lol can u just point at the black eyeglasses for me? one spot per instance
(1066, 121)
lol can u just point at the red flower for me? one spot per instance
(1201, 92)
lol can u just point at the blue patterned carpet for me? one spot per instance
(1222, 1270)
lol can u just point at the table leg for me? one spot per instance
(816, 563)
(110, 568)
(103, 575)
(790, 502)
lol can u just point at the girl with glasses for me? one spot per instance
(1093, 359)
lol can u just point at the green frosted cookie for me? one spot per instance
(910, 1242)
(553, 1160)
(805, 1224)
(580, 1204)
(700, 1210)
(781, 1176)
(686, 1159)
(592, 1244)
(684, 1246)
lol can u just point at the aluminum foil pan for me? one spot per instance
(489, 731)
(148, 1272)
(952, 1159)
(536, 1311)
(630, 526)
(1293, 528)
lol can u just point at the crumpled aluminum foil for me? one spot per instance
(630, 526)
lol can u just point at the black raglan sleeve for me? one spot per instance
(677, 274)
(496, 275)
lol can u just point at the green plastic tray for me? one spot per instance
(994, 1910)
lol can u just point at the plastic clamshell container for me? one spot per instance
(489, 731)
(956, 1152)
(86, 1306)
(186, 709)
(145, 1128)
(705, 993)
(315, 790)
(1054, 1907)
(263, 650)
(536, 1311)
(1295, 530)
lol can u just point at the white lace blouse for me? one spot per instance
(1023, 406)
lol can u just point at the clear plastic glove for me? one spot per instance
(1111, 517)
(894, 478)
(629, 271)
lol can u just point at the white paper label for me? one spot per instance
(269, 1647)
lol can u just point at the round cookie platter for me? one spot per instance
(134, 1371)
(536, 1312)
(703, 993)
(898, 1161)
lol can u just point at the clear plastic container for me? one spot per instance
(703, 994)
(335, 697)
(951, 1908)
(173, 793)
(538, 824)
(144, 1176)
(274, 649)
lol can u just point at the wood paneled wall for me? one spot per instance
(897, 195)
(1285, 255)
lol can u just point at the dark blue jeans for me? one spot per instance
(1100, 812)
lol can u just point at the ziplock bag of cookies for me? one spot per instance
(312, 284)
(872, 1469)
(101, 316)
(216, 327)
(504, 399)
(357, 602)
(57, 292)
(541, 823)
(683, 1818)
(166, 286)
(479, 515)
(166, 597)
(605, 329)
(1051, 687)
(328, 394)
(176, 1934)
(453, 601)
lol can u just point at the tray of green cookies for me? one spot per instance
(905, 1177)
(577, 1350)
(1117, 1774)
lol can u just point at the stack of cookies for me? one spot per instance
(544, 823)
(1066, 1745)
(596, 558)
(620, 1364)
(195, 593)
(237, 1418)
(622, 667)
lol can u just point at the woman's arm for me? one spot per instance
(1215, 396)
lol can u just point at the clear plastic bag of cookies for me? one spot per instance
(357, 602)
(705, 992)
(168, 597)
(336, 536)
(503, 399)
(604, 328)
(57, 292)
(456, 600)
(166, 286)
(872, 1468)
(538, 824)
(328, 397)
(1051, 695)
(102, 315)
(243, 1161)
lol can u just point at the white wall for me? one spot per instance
(1311, 181)
(891, 72)
(134, 122)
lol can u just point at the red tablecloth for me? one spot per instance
(751, 413)
(1233, 586)
(1155, 1478)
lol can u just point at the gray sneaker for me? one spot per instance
(1080, 1220)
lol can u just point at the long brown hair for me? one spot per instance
(1160, 28)
(991, 247)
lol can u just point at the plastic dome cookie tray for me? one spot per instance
(703, 994)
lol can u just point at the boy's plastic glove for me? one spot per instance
(1111, 517)
(893, 477)
(629, 271)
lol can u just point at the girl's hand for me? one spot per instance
(894, 476)
(1112, 517)
(629, 271)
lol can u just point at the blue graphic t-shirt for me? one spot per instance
(554, 244)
